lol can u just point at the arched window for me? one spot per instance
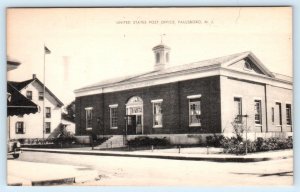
(167, 57)
(157, 58)
(248, 65)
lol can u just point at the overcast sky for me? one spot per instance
(90, 45)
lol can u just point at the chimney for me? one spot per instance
(33, 76)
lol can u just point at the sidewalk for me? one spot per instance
(31, 173)
(183, 155)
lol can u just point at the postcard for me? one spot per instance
(153, 96)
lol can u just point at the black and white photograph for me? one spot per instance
(150, 96)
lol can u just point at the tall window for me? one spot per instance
(288, 114)
(29, 95)
(167, 57)
(20, 128)
(48, 112)
(194, 110)
(41, 96)
(157, 113)
(278, 114)
(88, 117)
(238, 109)
(257, 115)
(47, 127)
(113, 116)
(157, 57)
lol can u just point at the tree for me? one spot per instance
(69, 113)
(238, 128)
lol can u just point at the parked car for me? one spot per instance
(14, 148)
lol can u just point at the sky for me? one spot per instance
(92, 44)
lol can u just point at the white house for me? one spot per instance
(31, 126)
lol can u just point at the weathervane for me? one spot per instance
(161, 38)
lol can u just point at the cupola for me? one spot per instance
(162, 56)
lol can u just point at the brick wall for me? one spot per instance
(175, 107)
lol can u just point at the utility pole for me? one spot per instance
(46, 51)
(246, 133)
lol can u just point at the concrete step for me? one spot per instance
(115, 141)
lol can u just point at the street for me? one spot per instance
(133, 171)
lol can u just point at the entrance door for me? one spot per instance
(131, 124)
(139, 127)
(134, 112)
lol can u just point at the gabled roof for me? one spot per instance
(253, 58)
(21, 85)
(220, 62)
(194, 65)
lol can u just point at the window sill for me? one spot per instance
(195, 125)
(114, 128)
(157, 126)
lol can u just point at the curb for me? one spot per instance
(54, 182)
(45, 182)
(214, 159)
(15, 184)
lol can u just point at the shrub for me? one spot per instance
(289, 143)
(260, 143)
(233, 145)
(22, 141)
(64, 140)
(214, 141)
(230, 145)
(239, 127)
(146, 141)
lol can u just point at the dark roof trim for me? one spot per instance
(18, 104)
(16, 63)
(21, 85)
(50, 93)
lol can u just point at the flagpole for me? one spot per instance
(44, 88)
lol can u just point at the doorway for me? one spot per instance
(134, 113)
